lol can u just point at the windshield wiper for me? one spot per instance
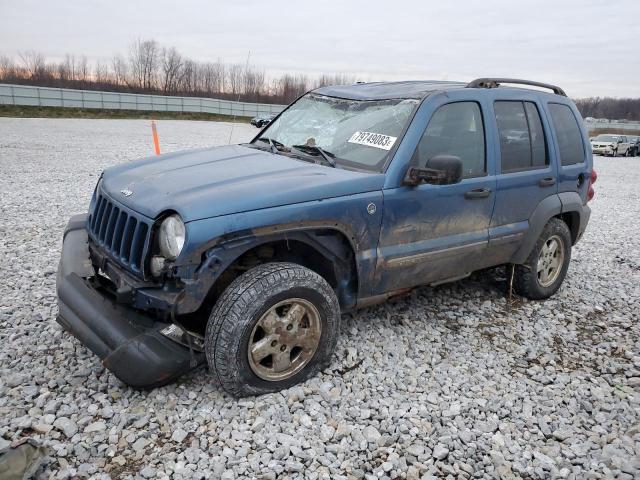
(314, 148)
(275, 145)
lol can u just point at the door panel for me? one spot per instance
(527, 173)
(434, 232)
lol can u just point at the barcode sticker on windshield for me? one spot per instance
(370, 139)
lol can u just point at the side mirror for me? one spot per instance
(439, 170)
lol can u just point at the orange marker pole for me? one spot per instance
(156, 141)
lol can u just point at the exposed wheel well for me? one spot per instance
(572, 219)
(327, 252)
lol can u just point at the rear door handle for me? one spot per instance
(547, 182)
(478, 193)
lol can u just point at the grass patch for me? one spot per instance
(63, 112)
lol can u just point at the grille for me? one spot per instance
(122, 234)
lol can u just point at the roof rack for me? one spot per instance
(495, 82)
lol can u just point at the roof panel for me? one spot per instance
(387, 90)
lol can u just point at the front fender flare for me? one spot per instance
(221, 253)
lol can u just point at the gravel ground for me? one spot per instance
(452, 382)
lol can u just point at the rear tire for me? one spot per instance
(544, 271)
(273, 327)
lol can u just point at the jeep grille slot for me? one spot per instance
(120, 233)
(125, 246)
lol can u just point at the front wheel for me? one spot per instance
(545, 269)
(273, 327)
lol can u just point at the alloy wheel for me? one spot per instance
(284, 339)
(550, 261)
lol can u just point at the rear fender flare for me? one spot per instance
(546, 209)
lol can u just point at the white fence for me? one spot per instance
(64, 97)
(591, 125)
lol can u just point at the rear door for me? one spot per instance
(527, 172)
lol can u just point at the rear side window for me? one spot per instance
(455, 129)
(568, 134)
(522, 142)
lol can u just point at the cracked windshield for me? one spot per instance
(349, 132)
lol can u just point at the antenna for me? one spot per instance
(233, 124)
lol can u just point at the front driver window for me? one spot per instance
(455, 129)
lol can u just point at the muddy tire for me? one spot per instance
(273, 327)
(545, 269)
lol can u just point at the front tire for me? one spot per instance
(547, 265)
(273, 327)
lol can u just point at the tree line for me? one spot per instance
(149, 67)
(611, 108)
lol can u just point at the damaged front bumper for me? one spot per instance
(129, 343)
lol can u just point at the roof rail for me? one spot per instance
(495, 82)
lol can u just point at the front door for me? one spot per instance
(436, 232)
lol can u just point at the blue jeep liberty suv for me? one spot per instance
(244, 256)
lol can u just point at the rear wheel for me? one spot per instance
(274, 326)
(545, 269)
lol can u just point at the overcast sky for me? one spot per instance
(589, 47)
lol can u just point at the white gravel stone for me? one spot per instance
(179, 435)
(440, 452)
(95, 427)
(371, 434)
(452, 380)
(68, 426)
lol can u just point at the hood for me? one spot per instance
(224, 180)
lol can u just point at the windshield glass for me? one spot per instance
(606, 138)
(351, 131)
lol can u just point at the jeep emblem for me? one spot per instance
(126, 192)
(371, 208)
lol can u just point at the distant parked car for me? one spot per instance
(611, 145)
(263, 120)
(634, 149)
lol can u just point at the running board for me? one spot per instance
(450, 279)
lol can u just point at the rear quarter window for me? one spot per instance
(568, 134)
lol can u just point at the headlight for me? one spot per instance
(171, 237)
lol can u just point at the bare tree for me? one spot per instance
(84, 71)
(143, 62)
(234, 78)
(7, 68)
(171, 66)
(120, 71)
(335, 79)
(253, 83)
(34, 63)
(101, 74)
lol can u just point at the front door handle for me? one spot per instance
(547, 182)
(478, 193)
